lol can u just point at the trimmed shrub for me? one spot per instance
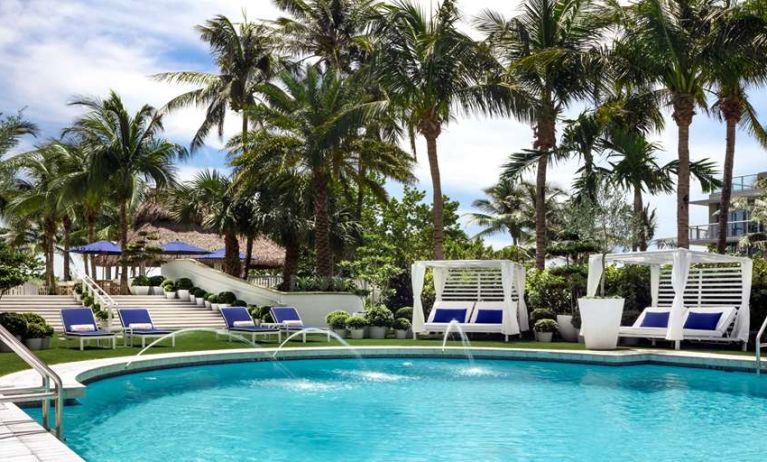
(401, 324)
(405, 312)
(239, 303)
(78, 287)
(379, 316)
(338, 321)
(140, 280)
(197, 292)
(184, 284)
(14, 323)
(168, 286)
(542, 313)
(545, 325)
(335, 313)
(156, 281)
(33, 318)
(213, 298)
(260, 312)
(356, 322)
(37, 330)
(227, 297)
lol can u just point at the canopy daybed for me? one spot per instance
(483, 296)
(707, 302)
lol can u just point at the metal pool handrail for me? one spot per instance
(43, 393)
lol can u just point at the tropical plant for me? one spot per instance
(404, 312)
(127, 152)
(16, 267)
(545, 325)
(401, 324)
(334, 314)
(553, 51)
(379, 316)
(244, 54)
(432, 72)
(140, 280)
(356, 322)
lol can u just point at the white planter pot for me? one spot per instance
(600, 321)
(183, 294)
(223, 305)
(378, 332)
(34, 343)
(77, 296)
(215, 306)
(192, 298)
(170, 294)
(566, 329)
(340, 332)
(208, 304)
(200, 301)
(357, 333)
(154, 290)
(544, 336)
(400, 334)
(139, 290)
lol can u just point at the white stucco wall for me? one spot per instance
(313, 306)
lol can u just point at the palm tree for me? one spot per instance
(739, 62)
(209, 200)
(335, 32)
(667, 43)
(432, 72)
(308, 125)
(552, 50)
(244, 54)
(505, 210)
(126, 152)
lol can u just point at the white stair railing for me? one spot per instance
(100, 296)
(759, 345)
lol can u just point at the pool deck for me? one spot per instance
(22, 439)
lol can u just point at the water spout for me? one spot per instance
(315, 330)
(465, 343)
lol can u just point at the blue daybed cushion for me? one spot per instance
(702, 321)
(489, 317)
(652, 319)
(449, 314)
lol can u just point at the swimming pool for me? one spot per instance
(421, 409)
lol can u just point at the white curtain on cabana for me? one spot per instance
(679, 273)
(519, 283)
(743, 321)
(417, 273)
(654, 284)
(509, 326)
(440, 276)
(595, 274)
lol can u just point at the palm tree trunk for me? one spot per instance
(436, 184)
(641, 241)
(124, 246)
(248, 255)
(231, 254)
(732, 116)
(50, 238)
(322, 226)
(289, 270)
(683, 114)
(91, 222)
(67, 225)
(540, 212)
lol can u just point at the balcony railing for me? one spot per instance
(734, 229)
(740, 184)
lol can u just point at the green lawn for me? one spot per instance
(68, 351)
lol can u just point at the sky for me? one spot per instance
(54, 50)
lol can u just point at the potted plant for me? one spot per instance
(183, 286)
(155, 284)
(541, 313)
(199, 296)
(544, 329)
(140, 285)
(77, 292)
(169, 288)
(401, 328)
(101, 316)
(226, 299)
(569, 326)
(609, 223)
(356, 326)
(35, 334)
(258, 313)
(404, 312)
(208, 302)
(215, 302)
(336, 320)
(379, 319)
(14, 323)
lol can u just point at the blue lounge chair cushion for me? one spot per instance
(489, 317)
(652, 319)
(702, 321)
(74, 316)
(255, 329)
(130, 316)
(285, 313)
(94, 333)
(233, 314)
(149, 331)
(447, 315)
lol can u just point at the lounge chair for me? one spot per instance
(239, 321)
(699, 323)
(652, 323)
(486, 318)
(80, 323)
(442, 313)
(137, 322)
(287, 318)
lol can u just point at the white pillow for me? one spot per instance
(294, 322)
(141, 326)
(244, 324)
(82, 328)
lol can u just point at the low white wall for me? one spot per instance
(313, 306)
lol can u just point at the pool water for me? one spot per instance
(421, 409)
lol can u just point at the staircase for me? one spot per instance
(166, 313)
(47, 306)
(170, 314)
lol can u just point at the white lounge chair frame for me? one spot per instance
(677, 285)
(470, 282)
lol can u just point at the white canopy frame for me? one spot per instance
(680, 261)
(512, 276)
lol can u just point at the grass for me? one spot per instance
(63, 351)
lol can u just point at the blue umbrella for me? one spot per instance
(217, 255)
(98, 248)
(182, 248)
